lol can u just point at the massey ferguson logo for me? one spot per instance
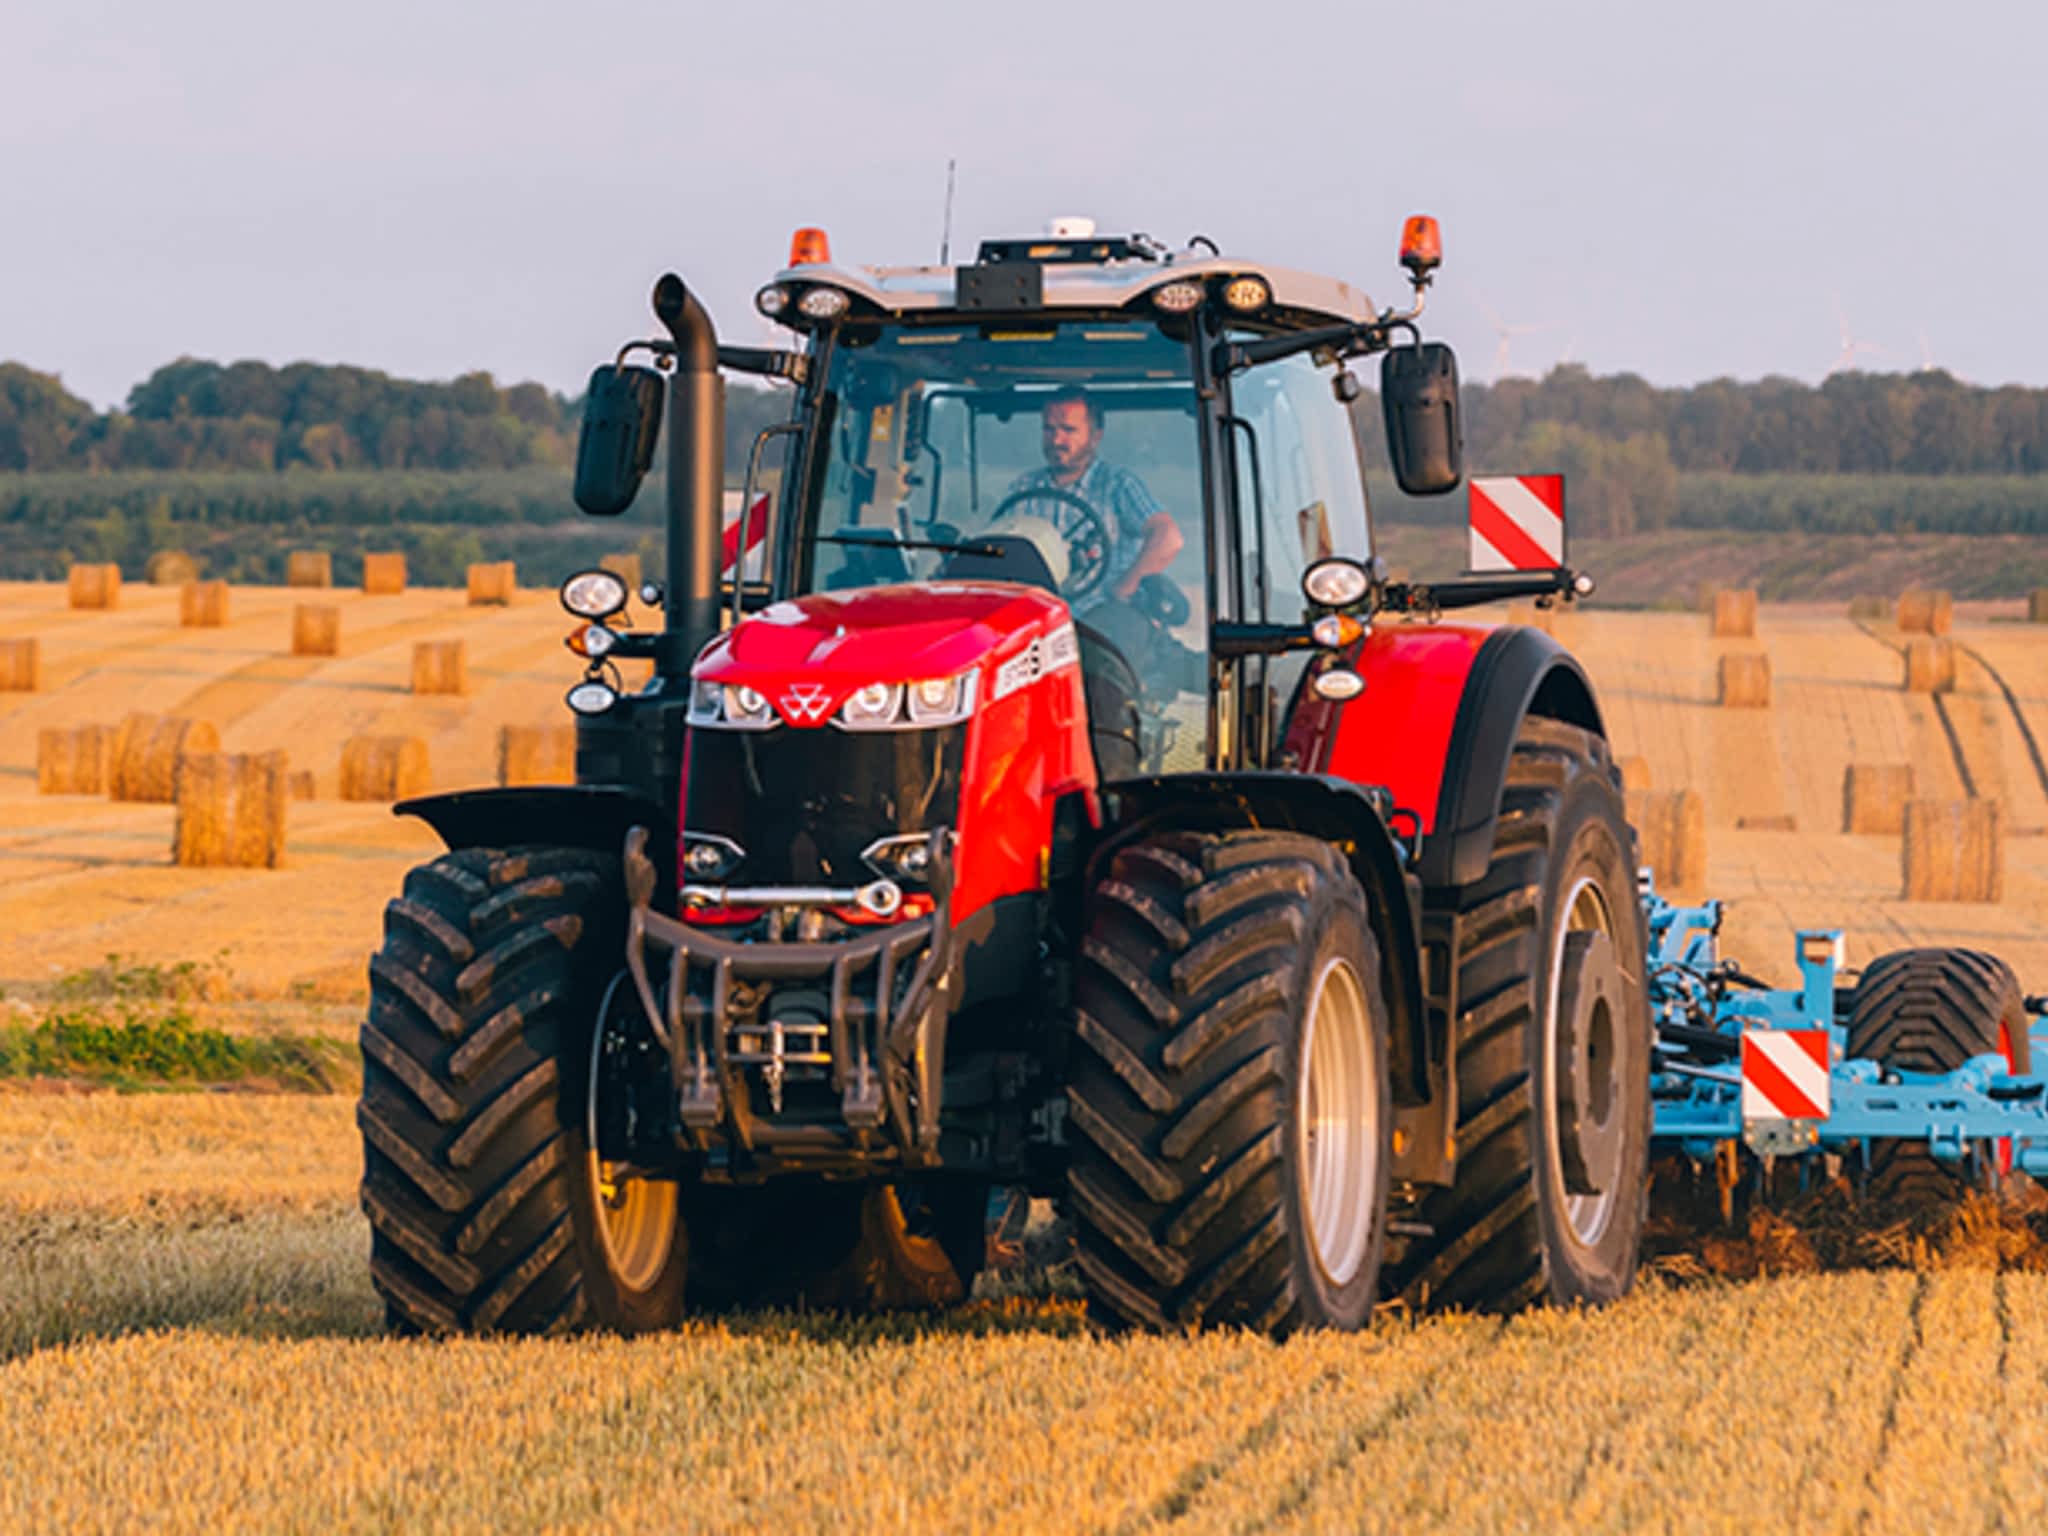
(805, 703)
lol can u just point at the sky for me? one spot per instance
(1682, 191)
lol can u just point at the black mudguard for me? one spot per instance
(594, 816)
(1517, 672)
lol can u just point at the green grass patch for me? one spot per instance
(134, 1046)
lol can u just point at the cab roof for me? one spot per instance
(1097, 273)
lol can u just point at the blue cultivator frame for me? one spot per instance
(1702, 1007)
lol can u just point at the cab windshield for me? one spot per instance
(1065, 456)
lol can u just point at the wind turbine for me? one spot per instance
(1852, 347)
(1507, 333)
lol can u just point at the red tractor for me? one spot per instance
(1042, 792)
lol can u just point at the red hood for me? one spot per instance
(897, 634)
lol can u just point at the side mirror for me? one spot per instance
(621, 421)
(1419, 394)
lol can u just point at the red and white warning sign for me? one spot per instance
(1784, 1074)
(756, 522)
(1517, 522)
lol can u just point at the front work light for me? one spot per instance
(594, 594)
(1247, 295)
(1177, 298)
(592, 697)
(1336, 583)
(822, 303)
(772, 300)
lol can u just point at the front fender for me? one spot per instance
(594, 816)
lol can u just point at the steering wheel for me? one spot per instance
(1087, 545)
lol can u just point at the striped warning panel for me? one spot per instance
(1516, 522)
(1784, 1074)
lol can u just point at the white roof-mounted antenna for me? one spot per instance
(946, 231)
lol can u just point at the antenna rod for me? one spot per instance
(946, 234)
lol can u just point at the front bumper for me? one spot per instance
(709, 1001)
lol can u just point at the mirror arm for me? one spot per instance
(1228, 641)
(765, 362)
(1471, 591)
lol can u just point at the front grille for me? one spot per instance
(803, 804)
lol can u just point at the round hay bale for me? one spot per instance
(1953, 851)
(384, 574)
(440, 666)
(199, 833)
(2037, 606)
(203, 604)
(309, 568)
(1870, 606)
(492, 585)
(21, 665)
(1930, 665)
(1926, 611)
(1671, 830)
(231, 811)
(626, 563)
(71, 760)
(149, 752)
(95, 586)
(316, 630)
(1874, 797)
(1635, 772)
(1734, 613)
(537, 754)
(1745, 681)
(383, 767)
(298, 785)
(171, 568)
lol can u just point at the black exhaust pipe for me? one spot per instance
(696, 486)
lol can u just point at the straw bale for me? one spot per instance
(95, 586)
(298, 784)
(1952, 851)
(21, 665)
(383, 767)
(231, 811)
(384, 574)
(440, 666)
(171, 568)
(148, 749)
(309, 568)
(203, 604)
(1734, 613)
(1671, 828)
(1926, 610)
(1745, 681)
(537, 754)
(1635, 772)
(492, 584)
(1874, 797)
(1930, 665)
(2037, 606)
(1870, 606)
(627, 564)
(1776, 823)
(316, 630)
(71, 760)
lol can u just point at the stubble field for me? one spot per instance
(189, 1338)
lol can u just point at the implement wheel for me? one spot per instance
(1553, 1042)
(489, 1212)
(1931, 1010)
(1229, 1103)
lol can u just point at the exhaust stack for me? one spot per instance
(696, 485)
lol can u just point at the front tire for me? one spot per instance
(1230, 1100)
(488, 1210)
(1553, 1048)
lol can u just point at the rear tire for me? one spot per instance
(1931, 1010)
(1553, 1133)
(1229, 1108)
(488, 1212)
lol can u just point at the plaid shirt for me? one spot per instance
(1117, 494)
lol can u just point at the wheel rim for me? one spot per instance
(1337, 1145)
(1586, 910)
(636, 1218)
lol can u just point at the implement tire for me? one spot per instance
(1553, 1048)
(1931, 1010)
(488, 1212)
(1229, 1105)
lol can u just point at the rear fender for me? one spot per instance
(1336, 812)
(593, 816)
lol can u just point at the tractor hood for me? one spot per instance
(827, 645)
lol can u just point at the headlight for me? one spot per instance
(772, 300)
(592, 698)
(745, 707)
(872, 708)
(942, 700)
(707, 703)
(594, 594)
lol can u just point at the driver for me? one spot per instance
(1143, 538)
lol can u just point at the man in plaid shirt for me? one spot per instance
(1143, 538)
